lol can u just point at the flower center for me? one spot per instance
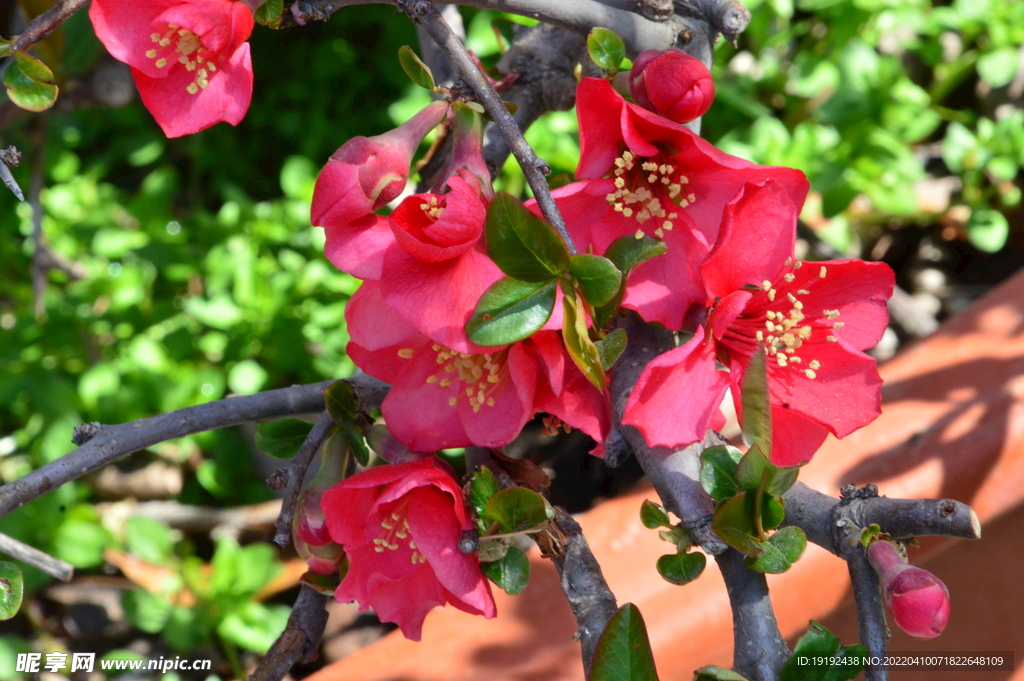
(474, 377)
(776, 318)
(182, 45)
(434, 209)
(646, 189)
(395, 532)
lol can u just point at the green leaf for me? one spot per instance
(757, 406)
(606, 49)
(12, 589)
(987, 230)
(780, 551)
(713, 672)
(482, 486)
(610, 348)
(652, 515)
(511, 310)
(325, 584)
(772, 513)
(282, 438)
(269, 13)
(734, 524)
(678, 537)
(718, 471)
(598, 278)
(146, 611)
(627, 251)
(28, 83)
(681, 568)
(577, 342)
(819, 642)
(414, 67)
(523, 245)
(753, 466)
(5, 48)
(517, 510)
(511, 573)
(342, 402)
(357, 443)
(998, 68)
(623, 652)
(149, 539)
(254, 626)
(868, 534)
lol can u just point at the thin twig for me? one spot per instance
(294, 472)
(426, 14)
(759, 650)
(10, 157)
(36, 558)
(867, 594)
(46, 23)
(110, 443)
(300, 639)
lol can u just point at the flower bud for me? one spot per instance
(323, 560)
(308, 523)
(917, 599)
(368, 172)
(672, 84)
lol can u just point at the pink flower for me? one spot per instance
(645, 174)
(439, 397)
(672, 84)
(917, 599)
(189, 58)
(362, 176)
(814, 318)
(400, 526)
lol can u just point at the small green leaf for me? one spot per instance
(780, 551)
(517, 510)
(772, 513)
(718, 471)
(734, 524)
(28, 83)
(598, 278)
(757, 406)
(623, 652)
(414, 67)
(606, 49)
(482, 486)
(987, 230)
(627, 251)
(357, 443)
(12, 589)
(282, 438)
(868, 534)
(681, 568)
(998, 68)
(577, 342)
(149, 539)
(610, 347)
(844, 664)
(269, 13)
(678, 537)
(652, 515)
(523, 245)
(511, 573)
(753, 466)
(511, 310)
(5, 48)
(713, 672)
(342, 402)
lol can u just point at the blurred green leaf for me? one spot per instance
(282, 438)
(12, 589)
(988, 230)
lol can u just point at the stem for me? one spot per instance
(295, 471)
(426, 14)
(46, 23)
(867, 594)
(300, 639)
(36, 558)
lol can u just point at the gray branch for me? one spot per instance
(294, 472)
(36, 558)
(110, 443)
(300, 640)
(426, 14)
(46, 23)
(759, 651)
(867, 595)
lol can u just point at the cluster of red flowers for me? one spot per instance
(729, 284)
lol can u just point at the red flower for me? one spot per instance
(645, 174)
(672, 83)
(189, 58)
(917, 599)
(814, 318)
(400, 526)
(362, 176)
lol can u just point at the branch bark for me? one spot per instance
(46, 23)
(110, 443)
(426, 14)
(300, 639)
(294, 472)
(36, 558)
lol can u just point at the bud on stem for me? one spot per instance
(917, 599)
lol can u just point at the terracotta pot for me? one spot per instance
(952, 426)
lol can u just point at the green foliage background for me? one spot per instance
(203, 276)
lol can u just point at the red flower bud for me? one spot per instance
(917, 599)
(672, 84)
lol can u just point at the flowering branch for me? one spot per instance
(426, 14)
(291, 475)
(46, 23)
(300, 639)
(102, 445)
